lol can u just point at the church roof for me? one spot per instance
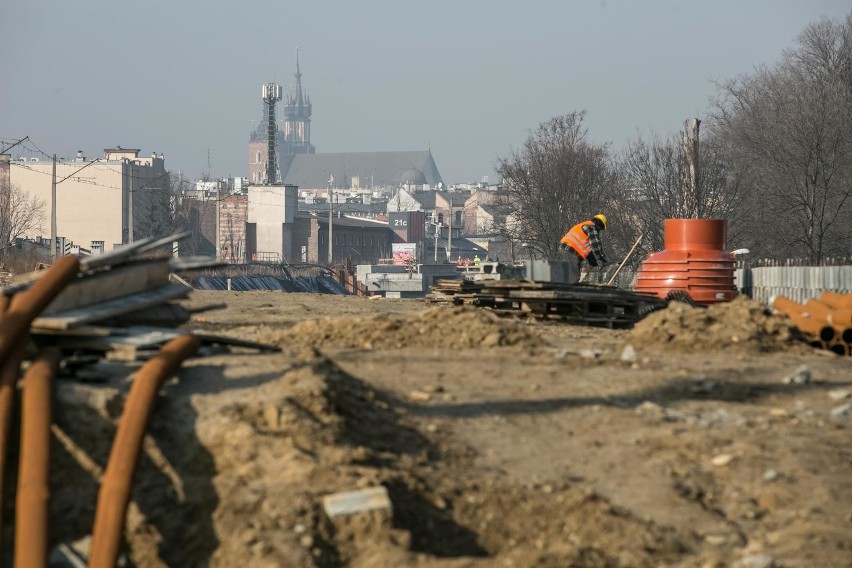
(378, 169)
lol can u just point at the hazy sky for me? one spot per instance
(468, 79)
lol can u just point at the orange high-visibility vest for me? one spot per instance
(578, 240)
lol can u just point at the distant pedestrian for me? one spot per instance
(476, 261)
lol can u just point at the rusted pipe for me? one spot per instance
(114, 493)
(26, 305)
(33, 499)
(9, 371)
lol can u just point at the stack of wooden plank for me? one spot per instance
(453, 291)
(576, 303)
(121, 305)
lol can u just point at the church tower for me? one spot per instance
(297, 122)
(294, 139)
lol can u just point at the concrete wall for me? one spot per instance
(272, 209)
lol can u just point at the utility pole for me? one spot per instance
(437, 232)
(218, 224)
(53, 185)
(53, 212)
(330, 257)
(450, 234)
(690, 153)
(130, 203)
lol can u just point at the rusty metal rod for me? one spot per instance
(9, 371)
(26, 305)
(33, 499)
(114, 493)
(19, 312)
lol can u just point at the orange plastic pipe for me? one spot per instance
(26, 305)
(694, 234)
(836, 301)
(817, 308)
(805, 320)
(33, 499)
(841, 317)
(114, 494)
(839, 347)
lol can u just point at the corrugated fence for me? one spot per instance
(799, 283)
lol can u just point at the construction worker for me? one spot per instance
(476, 261)
(583, 241)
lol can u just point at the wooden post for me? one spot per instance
(690, 154)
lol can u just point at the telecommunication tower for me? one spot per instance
(271, 95)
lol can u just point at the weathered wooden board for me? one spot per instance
(183, 264)
(113, 283)
(111, 308)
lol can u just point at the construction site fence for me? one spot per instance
(799, 283)
(765, 279)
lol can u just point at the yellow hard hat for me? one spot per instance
(602, 217)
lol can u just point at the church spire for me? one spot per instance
(298, 76)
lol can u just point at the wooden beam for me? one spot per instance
(111, 308)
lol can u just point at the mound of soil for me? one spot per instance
(743, 325)
(442, 327)
(318, 430)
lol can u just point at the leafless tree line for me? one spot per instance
(20, 213)
(775, 161)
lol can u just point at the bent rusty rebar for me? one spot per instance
(9, 371)
(114, 493)
(26, 305)
(20, 310)
(33, 498)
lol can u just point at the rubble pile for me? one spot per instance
(441, 327)
(742, 325)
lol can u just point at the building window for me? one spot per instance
(257, 158)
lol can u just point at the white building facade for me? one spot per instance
(94, 209)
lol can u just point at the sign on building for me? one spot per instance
(404, 253)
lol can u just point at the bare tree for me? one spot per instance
(194, 213)
(20, 213)
(555, 180)
(790, 128)
(658, 173)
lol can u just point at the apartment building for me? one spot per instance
(101, 203)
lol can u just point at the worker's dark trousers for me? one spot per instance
(571, 264)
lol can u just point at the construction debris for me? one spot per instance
(120, 304)
(351, 502)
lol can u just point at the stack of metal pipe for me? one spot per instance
(826, 321)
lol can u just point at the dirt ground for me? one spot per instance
(700, 438)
